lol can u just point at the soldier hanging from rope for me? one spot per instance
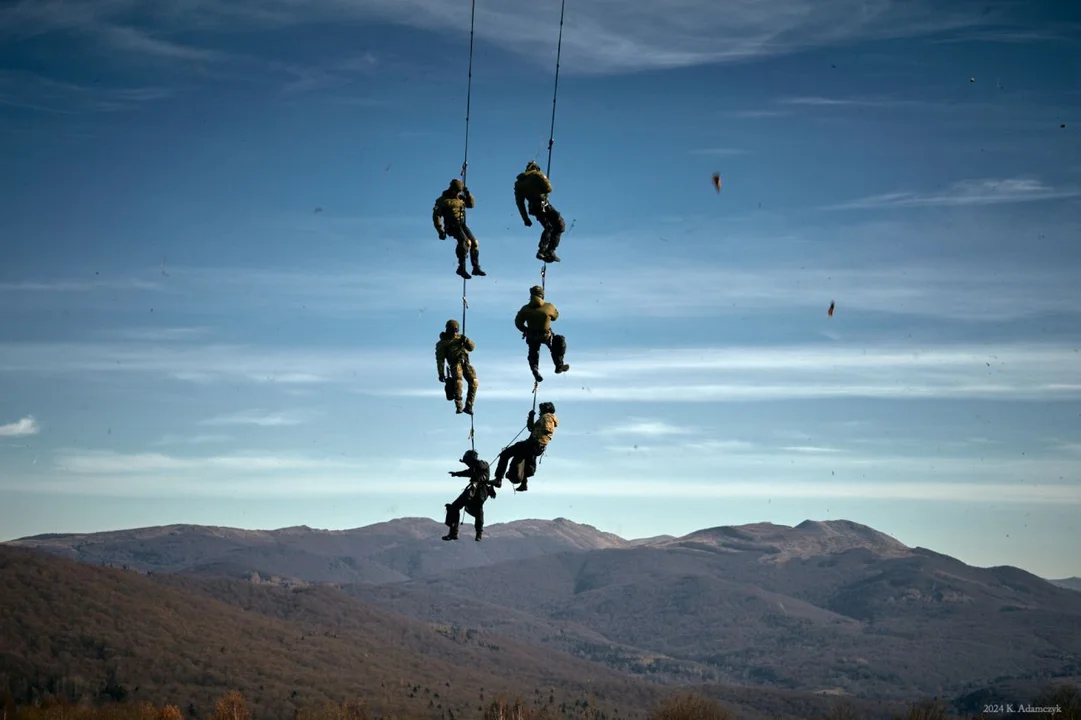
(526, 452)
(450, 210)
(532, 187)
(452, 361)
(534, 321)
(473, 497)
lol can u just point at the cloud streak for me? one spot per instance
(599, 35)
(21, 428)
(965, 193)
(261, 418)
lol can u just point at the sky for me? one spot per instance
(221, 288)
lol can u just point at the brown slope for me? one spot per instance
(168, 640)
(879, 626)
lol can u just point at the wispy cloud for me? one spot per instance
(21, 428)
(642, 35)
(818, 101)
(90, 462)
(673, 375)
(651, 428)
(661, 374)
(74, 286)
(262, 418)
(966, 192)
(163, 334)
(1012, 36)
(961, 492)
(756, 114)
(192, 439)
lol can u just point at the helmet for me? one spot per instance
(456, 185)
(537, 291)
(452, 326)
(470, 457)
(547, 407)
(532, 166)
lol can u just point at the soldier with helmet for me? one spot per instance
(474, 496)
(449, 211)
(532, 187)
(452, 363)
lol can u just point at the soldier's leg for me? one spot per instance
(460, 251)
(456, 378)
(474, 251)
(478, 519)
(534, 358)
(554, 228)
(471, 394)
(558, 347)
(509, 453)
(454, 515)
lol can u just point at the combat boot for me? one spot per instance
(458, 406)
(480, 534)
(461, 270)
(523, 487)
(468, 409)
(453, 534)
(474, 257)
(536, 373)
(562, 368)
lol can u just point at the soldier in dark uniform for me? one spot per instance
(452, 362)
(532, 187)
(450, 210)
(473, 497)
(534, 321)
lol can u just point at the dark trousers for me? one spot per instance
(553, 225)
(557, 346)
(527, 450)
(467, 244)
(473, 506)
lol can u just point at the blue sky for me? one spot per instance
(185, 338)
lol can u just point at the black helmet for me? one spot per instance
(547, 407)
(452, 326)
(470, 457)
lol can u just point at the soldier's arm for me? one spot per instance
(437, 218)
(554, 314)
(530, 421)
(547, 183)
(519, 320)
(462, 473)
(519, 200)
(440, 358)
(468, 197)
(469, 345)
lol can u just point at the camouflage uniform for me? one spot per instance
(452, 362)
(472, 498)
(450, 210)
(526, 452)
(534, 321)
(533, 186)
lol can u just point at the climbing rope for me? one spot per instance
(469, 90)
(555, 92)
(465, 168)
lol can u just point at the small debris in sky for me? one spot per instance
(318, 210)
(717, 181)
(829, 313)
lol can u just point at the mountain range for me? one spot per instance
(763, 616)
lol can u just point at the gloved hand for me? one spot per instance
(528, 222)
(442, 379)
(442, 235)
(523, 336)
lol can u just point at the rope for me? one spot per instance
(465, 167)
(555, 92)
(469, 90)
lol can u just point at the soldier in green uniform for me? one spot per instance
(524, 453)
(534, 321)
(450, 210)
(532, 187)
(452, 360)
